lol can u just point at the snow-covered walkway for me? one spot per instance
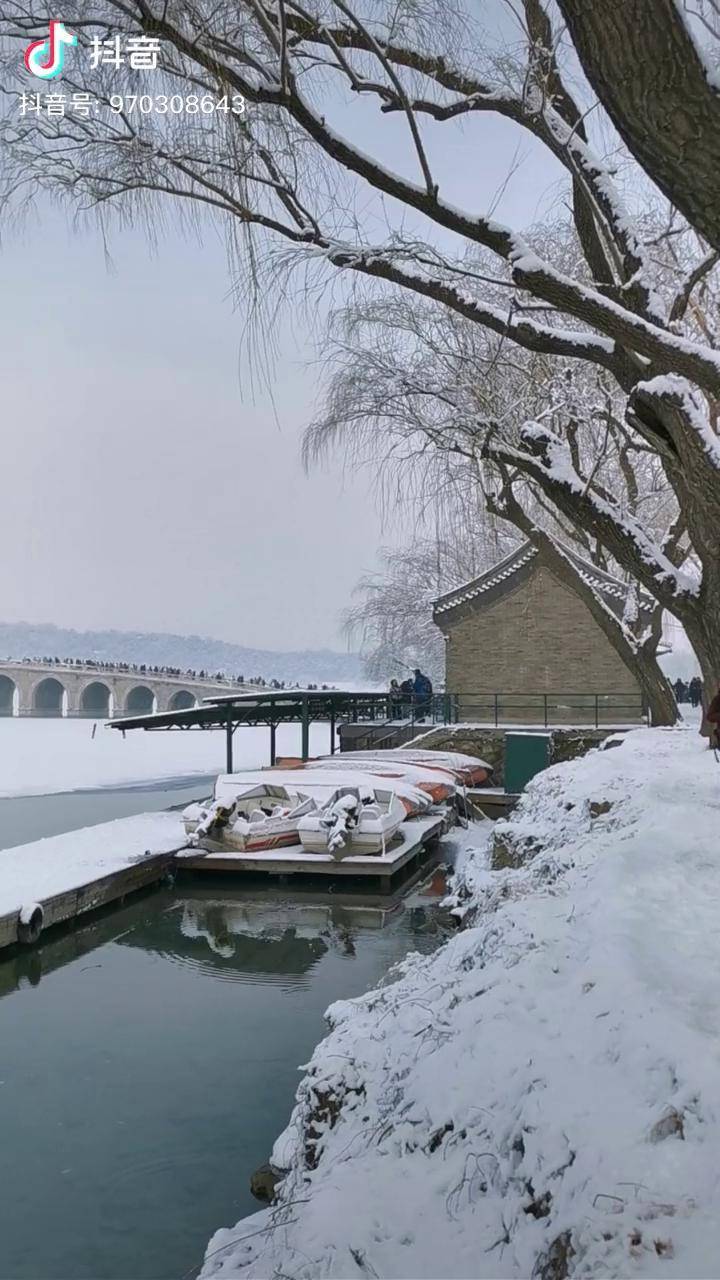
(32, 872)
(541, 1097)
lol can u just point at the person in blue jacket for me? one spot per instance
(422, 689)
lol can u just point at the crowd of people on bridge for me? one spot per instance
(137, 668)
(146, 669)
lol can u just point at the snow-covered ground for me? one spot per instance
(39, 757)
(541, 1097)
(34, 871)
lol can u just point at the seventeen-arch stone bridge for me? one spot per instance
(29, 688)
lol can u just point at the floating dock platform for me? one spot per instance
(416, 837)
(61, 908)
(54, 881)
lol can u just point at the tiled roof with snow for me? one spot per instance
(612, 589)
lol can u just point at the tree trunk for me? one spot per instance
(643, 65)
(656, 688)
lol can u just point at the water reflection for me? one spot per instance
(149, 1059)
(266, 940)
(244, 939)
(209, 938)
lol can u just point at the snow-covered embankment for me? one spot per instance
(541, 1096)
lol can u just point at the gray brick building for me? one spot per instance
(521, 646)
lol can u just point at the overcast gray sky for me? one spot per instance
(143, 486)
(141, 489)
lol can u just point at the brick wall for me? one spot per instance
(538, 639)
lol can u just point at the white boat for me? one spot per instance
(354, 822)
(321, 784)
(256, 817)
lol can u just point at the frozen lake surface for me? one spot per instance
(38, 757)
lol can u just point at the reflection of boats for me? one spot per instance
(320, 785)
(265, 917)
(257, 936)
(256, 817)
(249, 936)
(353, 822)
(201, 933)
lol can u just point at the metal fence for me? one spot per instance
(586, 709)
(547, 709)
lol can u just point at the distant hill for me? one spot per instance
(29, 640)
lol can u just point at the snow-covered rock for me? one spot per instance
(540, 1097)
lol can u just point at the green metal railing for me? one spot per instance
(589, 709)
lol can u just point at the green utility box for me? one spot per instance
(525, 755)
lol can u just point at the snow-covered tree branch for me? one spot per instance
(290, 178)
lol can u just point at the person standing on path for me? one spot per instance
(422, 688)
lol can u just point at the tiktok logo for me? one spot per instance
(45, 58)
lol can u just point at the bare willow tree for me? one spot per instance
(453, 539)
(391, 615)
(411, 387)
(296, 168)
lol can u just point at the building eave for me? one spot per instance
(504, 577)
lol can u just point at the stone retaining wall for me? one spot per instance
(489, 744)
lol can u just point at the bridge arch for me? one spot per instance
(8, 696)
(140, 701)
(182, 700)
(49, 698)
(95, 700)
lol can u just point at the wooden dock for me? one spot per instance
(417, 836)
(63, 907)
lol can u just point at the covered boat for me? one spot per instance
(437, 782)
(255, 817)
(468, 770)
(355, 821)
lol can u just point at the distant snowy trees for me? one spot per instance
(391, 616)
(301, 179)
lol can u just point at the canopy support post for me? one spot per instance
(229, 742)
(305, 742)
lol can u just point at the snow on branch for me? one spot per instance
(531, 107)
(669, 352)
(548, 461)
(389, 264)
(679, 393)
